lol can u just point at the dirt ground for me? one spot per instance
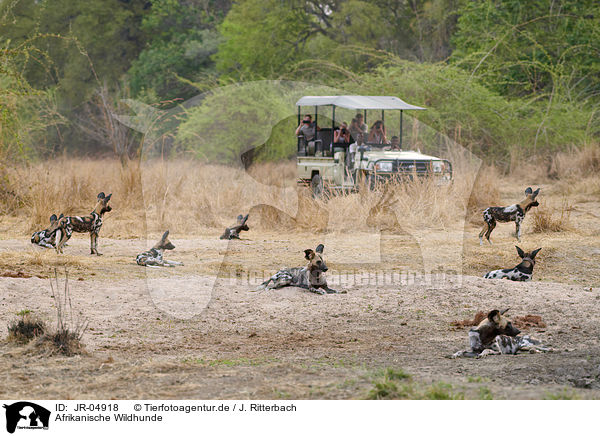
(181, 333)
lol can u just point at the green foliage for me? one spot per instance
(523, 49)
(183, 38)
(234, 119)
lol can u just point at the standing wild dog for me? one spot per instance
(154, 256)
(496, 335)
(523, 272)
(311, 277)
(233, 232)
(47, 237)
(87, 224)
(514, 212)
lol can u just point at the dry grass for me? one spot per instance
(188, 197)
(26, 327)
(66, 340)
(552, 219)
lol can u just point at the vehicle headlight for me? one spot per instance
(438, 167)
(385, 167)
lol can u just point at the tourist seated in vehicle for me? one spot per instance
(341, 135)
(394, 144)
(377, 135)
(357, 126)
(307, 131)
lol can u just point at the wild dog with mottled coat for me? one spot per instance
(514, 212)
(233, 232)
(87, 224)
(154, 256)
(523, 272)
(496, 335)
(47, 237)
(311, 277)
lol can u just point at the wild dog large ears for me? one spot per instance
(245, 218)
(108, 197)
(535, 193)
(494, 316)
(164, 236)
(101, 196)
(320, 248)
(504, 311)
(60, 216)
(521, 252)
(240, 218)
(53, 218)
(535, 252)
(309, 254)
(528, 191)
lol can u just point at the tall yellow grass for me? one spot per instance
(191, 197)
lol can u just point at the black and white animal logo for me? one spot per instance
(154, 256)
(523, 272)
(233, 232)
(26, 415)
(497, 335)
(47, 238)
(514, 212)
(311, 277)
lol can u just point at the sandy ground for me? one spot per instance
(186, 333)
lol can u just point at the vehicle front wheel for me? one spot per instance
(316, 186)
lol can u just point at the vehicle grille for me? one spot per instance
(418, 166)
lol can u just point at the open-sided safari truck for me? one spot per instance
(347, 166)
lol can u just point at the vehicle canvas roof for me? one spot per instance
(358, 102)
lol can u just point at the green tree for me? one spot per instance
(183, 37)
(542, 48)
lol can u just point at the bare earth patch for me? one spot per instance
(168, 334)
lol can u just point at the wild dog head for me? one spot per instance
(528, 257)
(315, 259)
(495, 324)
(529, 200)
(316, 266)
(102, 206)
(164, 243)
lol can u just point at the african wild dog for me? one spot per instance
(233, 232)
(514, 212)
(310, 277)
(496, 335)
(154, 256)
(523, 272)
(47, 237)
(88, 224)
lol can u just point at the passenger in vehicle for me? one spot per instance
(307, 130)
(377, 135)
(395, 144)
(357, 126)
(341, 135)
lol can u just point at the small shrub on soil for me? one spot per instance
(69, 331)
(25, 327)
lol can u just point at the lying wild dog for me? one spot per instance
(310, 277)
(514, 212)
(233, 232)
(47, 237)
(154, 256)
(88, 224)
(523, 272)
(496, 335)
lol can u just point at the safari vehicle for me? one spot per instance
(325, 164)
